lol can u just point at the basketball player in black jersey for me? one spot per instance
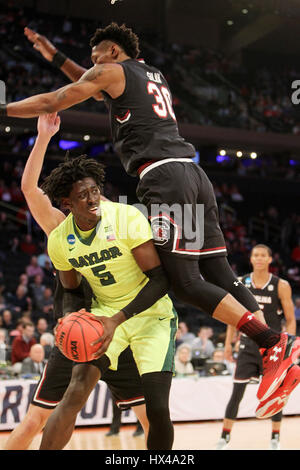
(146, 138)
(274, 297)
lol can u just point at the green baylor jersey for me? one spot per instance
(103, 256)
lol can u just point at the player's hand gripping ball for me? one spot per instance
(75, 333)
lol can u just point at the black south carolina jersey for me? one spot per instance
(249, 360)
(267, 299)
(143, 122)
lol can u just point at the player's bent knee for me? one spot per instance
(84, 379)
(156, 413)
(36, 419)
(75, 396)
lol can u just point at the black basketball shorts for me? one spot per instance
(182, 209)
(249, 362)
(125, 383)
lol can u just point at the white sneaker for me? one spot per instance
(221, 444)
(274, 444)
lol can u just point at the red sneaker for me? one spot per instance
(276, 362)
(279, 398)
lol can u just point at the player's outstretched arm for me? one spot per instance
(107, 77)
(47, 216)
(47, 49)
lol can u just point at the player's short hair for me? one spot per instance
(60, 182)
(261, 245)
(121, 35)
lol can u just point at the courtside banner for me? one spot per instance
(16, 395)
(191, 399)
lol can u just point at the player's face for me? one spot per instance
(103, 53)
(260, 259)
(84, 203)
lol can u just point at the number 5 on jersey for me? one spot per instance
(106, 278)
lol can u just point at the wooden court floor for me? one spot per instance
(247, 434)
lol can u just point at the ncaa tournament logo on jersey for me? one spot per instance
(270, 287)
(71, 240)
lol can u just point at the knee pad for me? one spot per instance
(235, 400)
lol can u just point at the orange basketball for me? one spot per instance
(74, 336)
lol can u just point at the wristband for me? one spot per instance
(59, 59)
(3, 110)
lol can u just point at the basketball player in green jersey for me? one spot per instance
(111, 246)
(124, 383)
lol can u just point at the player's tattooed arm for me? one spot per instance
(108, 77)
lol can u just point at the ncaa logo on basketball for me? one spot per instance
(161, 231)
(74, 351)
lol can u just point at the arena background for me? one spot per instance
(233, 68)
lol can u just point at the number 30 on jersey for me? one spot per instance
(163, 106)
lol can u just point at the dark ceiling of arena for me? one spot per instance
(270, 26)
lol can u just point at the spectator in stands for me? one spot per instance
(217, 365)
(48, 274)
(186, 335)
(178, 339)
(14, 245)
(18, 330)
(37, 289)
(183, 365)
(43, 258)
(35, 362)
(47, 302)
(235, 194)
(3, 346)
(47, 340)
(30, 248)
(23, 280)
(41, 328)
(21, 345)
(8, 320)
(20, 301)
(2, 294)
(203, 344)
(33, 269)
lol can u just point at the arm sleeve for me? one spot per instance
(156, 287)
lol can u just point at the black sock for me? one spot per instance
(226, 434)
(275, 435)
